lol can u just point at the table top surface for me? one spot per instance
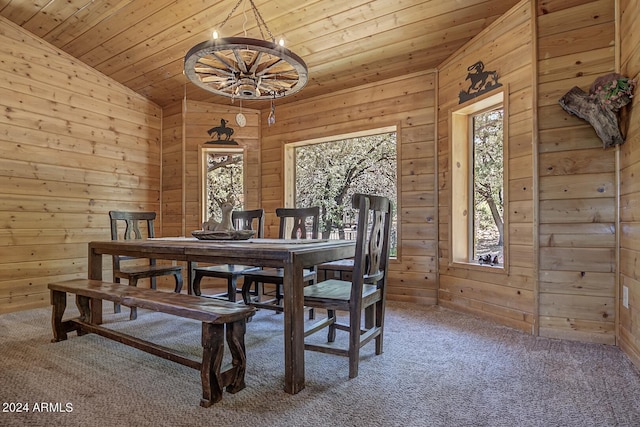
(192, 242)
(185, 247)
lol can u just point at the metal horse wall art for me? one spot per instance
(481, 81)
(221, 130)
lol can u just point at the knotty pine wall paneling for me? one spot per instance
(74, 144)
(629, 317)
(173, 170)
(576, 44)
(407, 102)
(505, 296)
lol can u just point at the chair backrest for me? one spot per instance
(244, 220)
(372, 241)
(131, 230)
(299, 218)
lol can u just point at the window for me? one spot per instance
(328, 172)
(478, 153)
(223, 172)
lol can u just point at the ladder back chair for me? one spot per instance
(297, 218)
(242, 220)
(130, 268)
(365, 293)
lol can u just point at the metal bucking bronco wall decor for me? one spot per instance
(481, 82)
(221, 131)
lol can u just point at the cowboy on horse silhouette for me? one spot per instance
(221, 130)
(479, 77)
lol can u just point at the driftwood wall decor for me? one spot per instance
(601, 106)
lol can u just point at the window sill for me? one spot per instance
(500, 268)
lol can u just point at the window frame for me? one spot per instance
(289, 157)
(204, 152)
(461, 179)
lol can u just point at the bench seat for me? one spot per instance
(215, 315)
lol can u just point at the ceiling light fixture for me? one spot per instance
(246, 68)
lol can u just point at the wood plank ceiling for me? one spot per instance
(345, 43)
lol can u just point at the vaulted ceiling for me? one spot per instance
(345, 43)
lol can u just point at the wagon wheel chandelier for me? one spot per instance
(246, 68)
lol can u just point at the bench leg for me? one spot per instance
(235, 341)
(84, 307)
(213, 351)
(59, 304)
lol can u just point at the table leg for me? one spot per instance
(95, 273)
(190, 276)
(293, 327)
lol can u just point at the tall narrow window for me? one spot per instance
(488, 173)
(223, 180)
(477, 151)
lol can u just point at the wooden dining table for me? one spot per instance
(292, 255)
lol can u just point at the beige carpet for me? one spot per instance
(440, 368)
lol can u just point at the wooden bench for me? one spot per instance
(214, 315)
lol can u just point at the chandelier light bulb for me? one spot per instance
(215, 35)
(281, 42)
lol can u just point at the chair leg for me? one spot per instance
(278, 294)
(246, 286)
(379, 324)
(255, 292)
(116, 306)
(312, 311)
(331, 335)
(196, 283)
(354, 342)
(179, 283)
(231, 288)
(134, 311)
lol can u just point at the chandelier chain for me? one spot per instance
(258, 16)
(261, 22)
(230, 13)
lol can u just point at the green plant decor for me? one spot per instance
(612, 91)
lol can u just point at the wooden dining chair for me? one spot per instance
(242, 220)
(131, 268)
(297, 219)
(366, 292)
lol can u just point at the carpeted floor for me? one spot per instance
(439, 368)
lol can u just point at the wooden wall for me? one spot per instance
(407, 102)
(505, 296)
(629, 324)
(184, 132)
(73, 145)
(577, 186)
